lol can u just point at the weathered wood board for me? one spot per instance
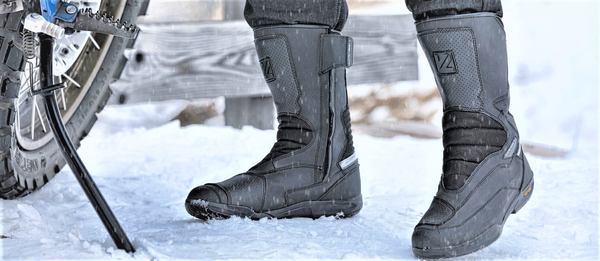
(200, 60)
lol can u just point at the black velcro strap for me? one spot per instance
(336, 51)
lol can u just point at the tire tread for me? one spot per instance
(10, 68)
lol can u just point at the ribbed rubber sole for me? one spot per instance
(309, 209)
(489, 236)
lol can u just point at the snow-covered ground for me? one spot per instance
(145, 165)
(146, 170)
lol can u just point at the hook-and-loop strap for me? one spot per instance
(336, 51)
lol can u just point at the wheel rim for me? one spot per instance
(72, 56)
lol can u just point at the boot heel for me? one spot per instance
(347, 187)
(523, 197)
(344, 197)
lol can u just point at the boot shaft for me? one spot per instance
(305, 69)
(468, 56)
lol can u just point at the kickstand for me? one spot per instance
(68, 149)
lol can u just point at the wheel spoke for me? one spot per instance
(67, 53)
(37, 107)
(94, 42)
(36, 112)
(33, 112)
(62, 94)
(71, 80)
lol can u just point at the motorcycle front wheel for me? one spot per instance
(87, 63)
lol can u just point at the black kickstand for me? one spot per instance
(68, 149)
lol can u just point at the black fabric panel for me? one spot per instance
(456, 172)
(349, 147)
(293, 133)
(460, 166)
(490, 137)
(463, 119)
(472, 153)
(469, 137)
(455, 181)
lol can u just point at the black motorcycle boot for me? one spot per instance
(485, 174)
(312, 170)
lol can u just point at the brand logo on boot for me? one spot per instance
(445, 62)
(267, 68)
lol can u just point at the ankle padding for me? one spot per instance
(469, 138)
(293, 134)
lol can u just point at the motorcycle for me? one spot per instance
(57, 61)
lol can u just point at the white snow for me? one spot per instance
(146, 165)
(146, 172)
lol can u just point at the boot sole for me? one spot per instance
(484, 239)
(307, 209)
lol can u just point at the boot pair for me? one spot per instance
(312, 169)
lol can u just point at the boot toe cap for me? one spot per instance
(205, 193)
(434, 232)
(433, 243)
(427, 238)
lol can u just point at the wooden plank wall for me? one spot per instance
(192, 49)
(198, 60)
